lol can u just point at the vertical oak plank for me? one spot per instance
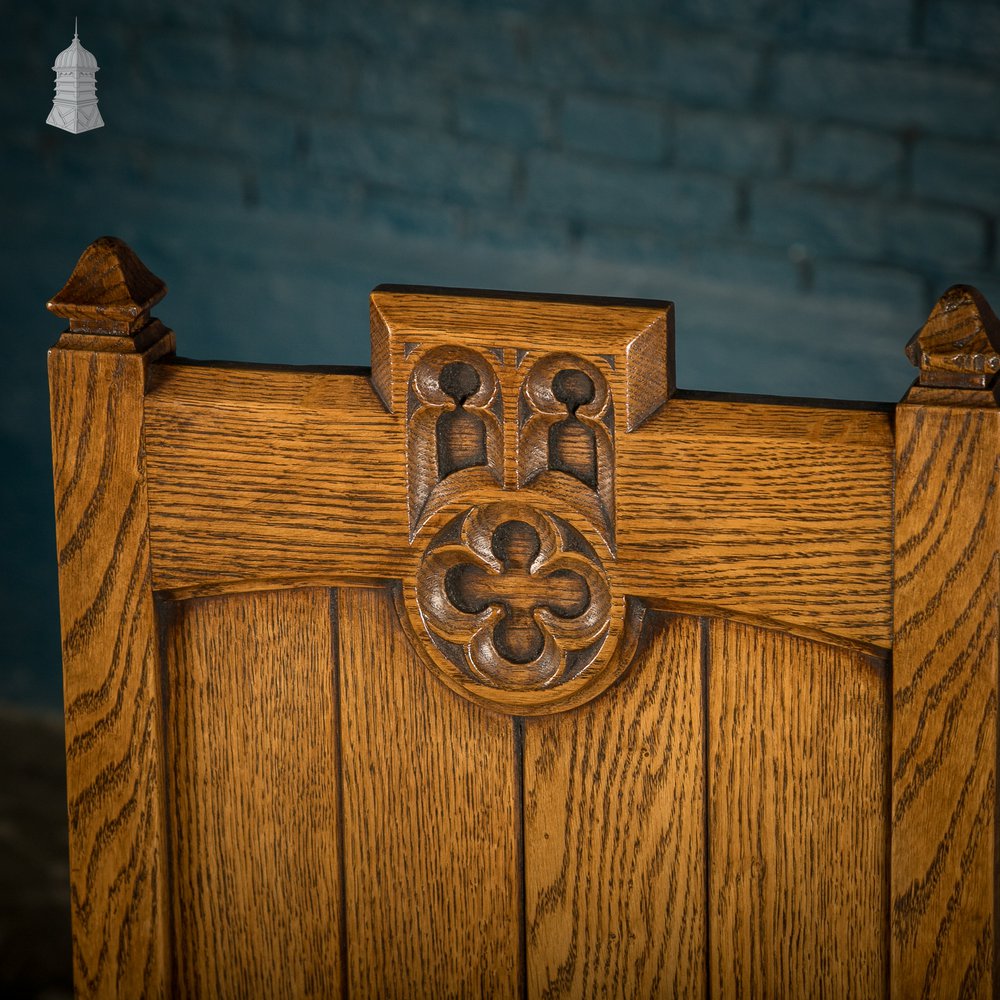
(430, 821)
(946, 663)
(614, 832)
(254, 795)
(111, 675)
(798, 826)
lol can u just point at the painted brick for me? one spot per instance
(291, 20)
(960, 173)
(963, 30)
(518, 232)
(742, 14)
(479, 44)
(661, 247)
(891, 93)
(188, 59)
(880, 25)
(847, 157)
(201, 182)
(727, 143)
(632, 56)
(875, 24)
(519, 119)
(893, 287)
(402, 97)
(207, 124)
(404, 214)
(744, 266)
(297, 191)
(181, 13)
(936, 237)
(706, 71)
(415, 160)
(819, 222)
(629, 196)
(611, 127)
(53, 151)
(318, 79)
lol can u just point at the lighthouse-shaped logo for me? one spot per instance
(75, 106)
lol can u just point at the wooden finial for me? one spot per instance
(109, 292)
(959, 345)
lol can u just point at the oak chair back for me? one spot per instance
(508, 669)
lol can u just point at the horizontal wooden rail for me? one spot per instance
(763, 509)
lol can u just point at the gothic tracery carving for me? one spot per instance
(514, 597)
(455, 410)
(567, 430)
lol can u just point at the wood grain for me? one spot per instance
(614, 834)
(430, 822)
(778, 511)
(253, 779)
(267, 473)
(336, 821)
(119, 896)
(797, 819)
(945, 863)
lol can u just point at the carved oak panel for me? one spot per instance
(511, 471)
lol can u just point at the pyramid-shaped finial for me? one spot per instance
(75, 106)
(959, 345)
(110, 290)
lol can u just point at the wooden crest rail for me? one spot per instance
(506, 669)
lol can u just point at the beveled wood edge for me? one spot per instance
(507, 295)
(695, 609)
(216, 588)
(649, 327)
(665, 605)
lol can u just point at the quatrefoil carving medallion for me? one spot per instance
(518, 607)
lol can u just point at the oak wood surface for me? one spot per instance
(253, 775)
(777, 511)
(614, 836)
(118, 888)
(945, 856)
(798, 749)
(431, 821)
(717, 819)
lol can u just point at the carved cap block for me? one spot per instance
(109, 292)
(959, 345)
(634, 338)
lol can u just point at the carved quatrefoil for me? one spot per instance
(517, 602)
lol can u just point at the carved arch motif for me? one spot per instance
(566, 430)
(454, 428)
